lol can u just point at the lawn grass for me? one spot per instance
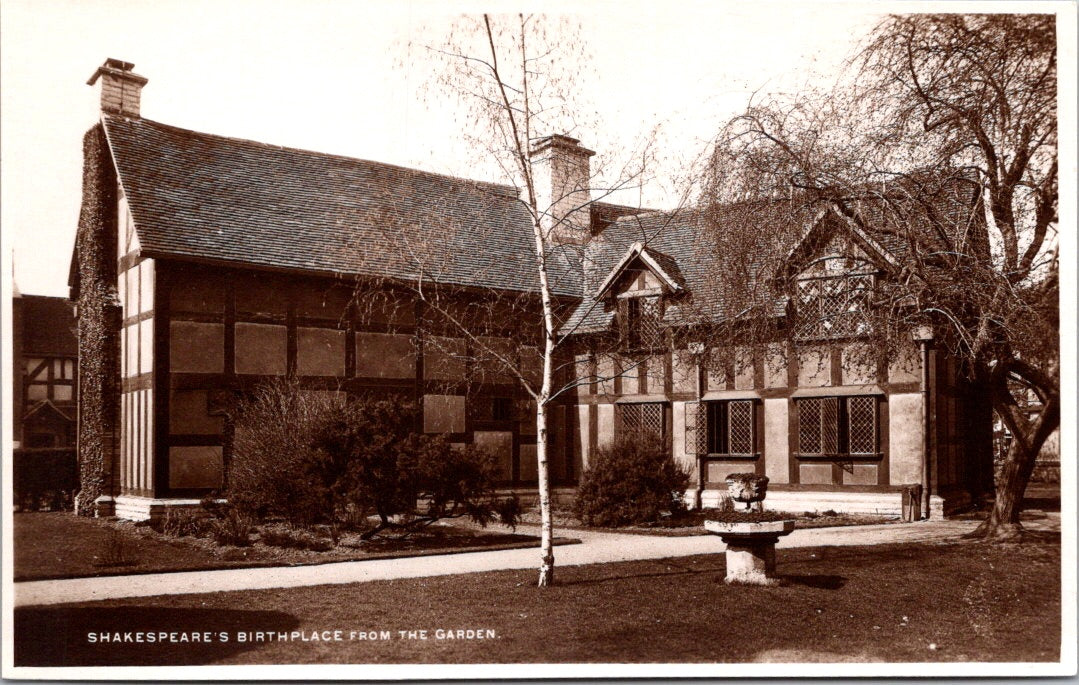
(61, 545)
(971, 601)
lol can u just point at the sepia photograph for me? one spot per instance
(347, 339)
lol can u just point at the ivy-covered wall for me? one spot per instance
(98, 324)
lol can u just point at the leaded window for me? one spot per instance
(641, 320)
(830, 426)
(730, 427)
(642, 419)
(835, 304)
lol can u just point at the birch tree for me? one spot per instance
(516, 76)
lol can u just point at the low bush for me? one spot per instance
(454, 481)
(234, 528)
(634, 480)
(180, 522)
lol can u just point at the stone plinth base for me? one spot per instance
(751, 549)
(134, 508)
(104, 507)
(752, 563)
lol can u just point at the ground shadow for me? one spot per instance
(819, 581)
(59, 636)
(670, 568)
(1043, 503)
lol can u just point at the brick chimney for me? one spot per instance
(121, 88)
(562, 178)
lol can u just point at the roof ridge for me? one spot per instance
(287, 148)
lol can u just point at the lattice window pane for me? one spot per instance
(642, 321)
(644, 419)
(696, 423)
(651, 321)
(740, 427)
(833, 307)
(862, 420)
(809, 426)
(829, 421)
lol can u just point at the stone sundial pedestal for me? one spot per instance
(750, 537)
(751, 549)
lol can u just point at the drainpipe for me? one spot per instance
(697, 349)
(923, 335)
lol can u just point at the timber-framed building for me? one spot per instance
(205, 265)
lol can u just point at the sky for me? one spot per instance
(336, 76)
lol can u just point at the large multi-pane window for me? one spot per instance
(730, 427)
(830, 426)
(644, 419)
(833, 301)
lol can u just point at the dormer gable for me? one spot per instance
(640, 272)
(828, 241)
(637, 289)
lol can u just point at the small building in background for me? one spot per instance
(45, 368)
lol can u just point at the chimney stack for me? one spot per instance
(562, 179)
(121, 88)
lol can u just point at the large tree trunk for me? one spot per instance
(1003, 522)
(1027, 439)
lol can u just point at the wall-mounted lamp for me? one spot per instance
(921, 334)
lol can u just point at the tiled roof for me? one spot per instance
(692, 241)
(48, 325)
(681, 240)
(206, 197)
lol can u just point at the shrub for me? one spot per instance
(274, 464)
(632, 481)
(454, 481)
(181, 522)
(315, 459)
(232, 529)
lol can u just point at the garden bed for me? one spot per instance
(62, 545)
(692, 522)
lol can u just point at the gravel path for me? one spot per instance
(595, 548)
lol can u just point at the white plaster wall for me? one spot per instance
(743, 370)
(905, 366)
(605, 371)
(905, 438)
(678, 441)
(716, 374)
(583, 441)
(858, 368)
(683, 372)
(814, 368)
(443, 414)
(631, 377)
(775, 367)
(605, 429)
(146, 285)
(776, 441)
(146, 347)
